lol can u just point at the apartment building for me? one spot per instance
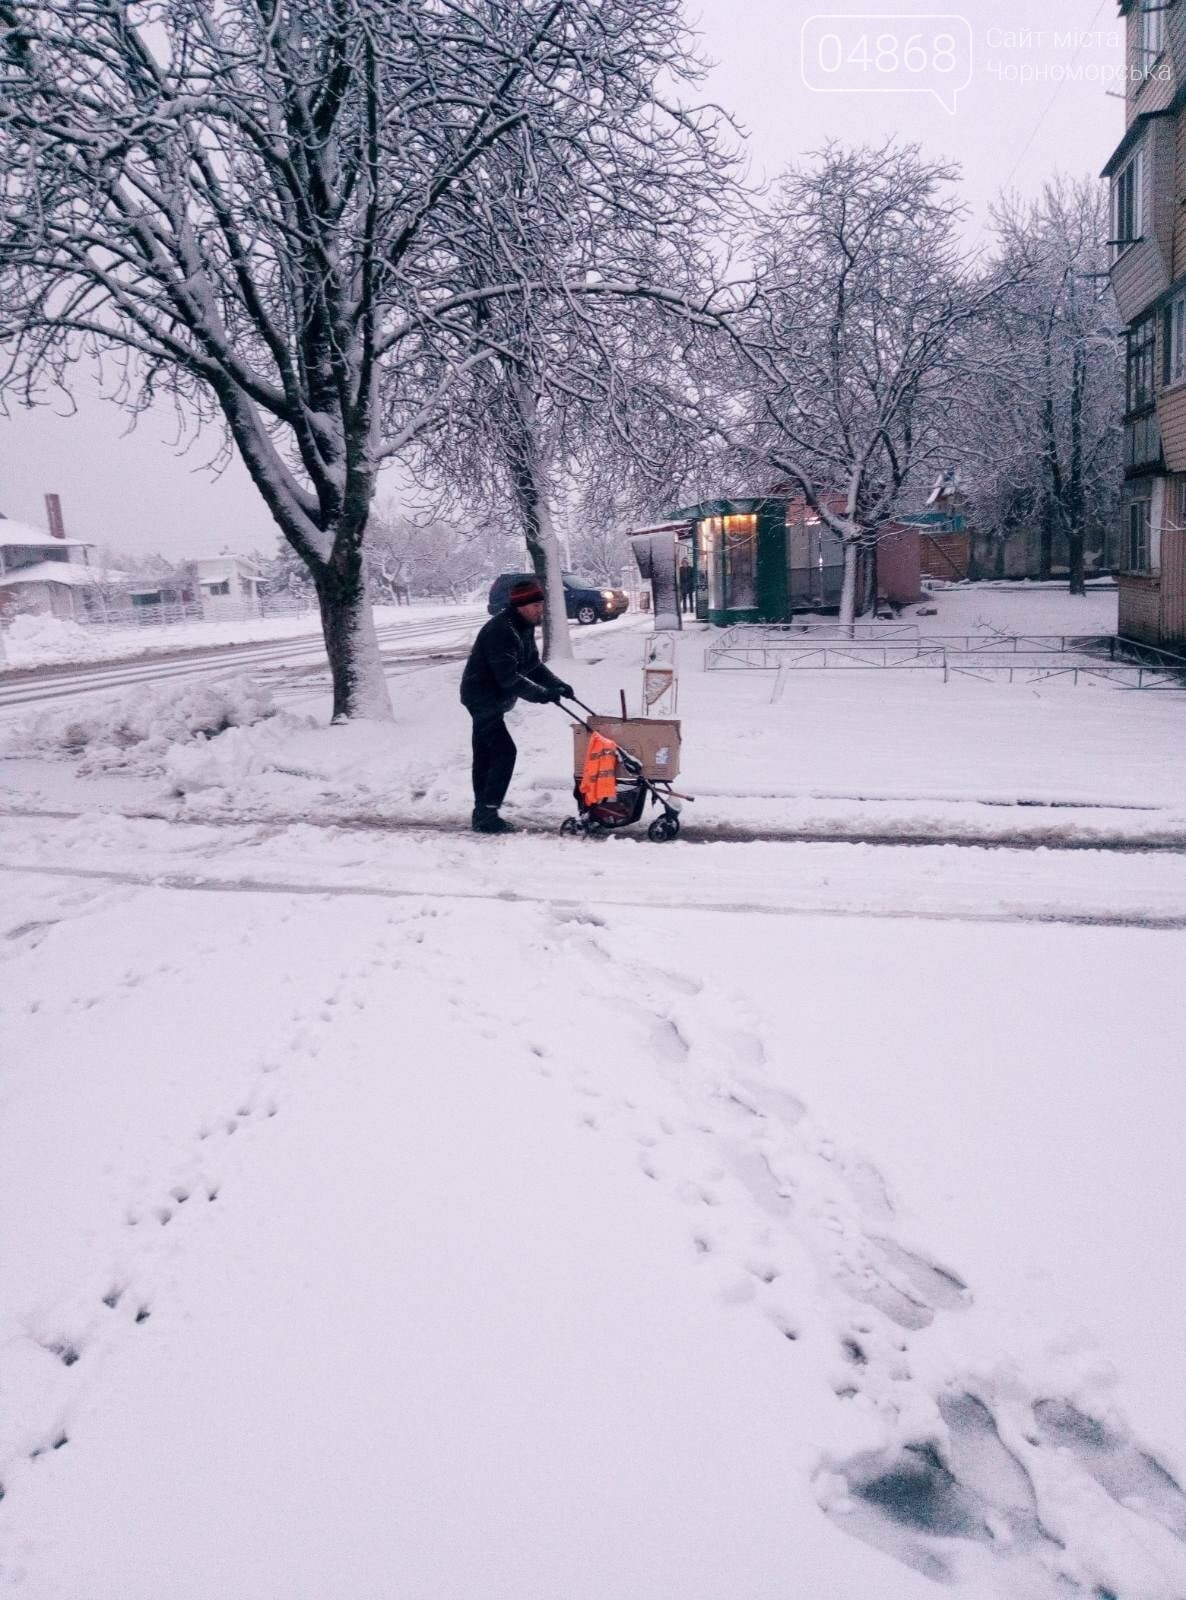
(1147, 172)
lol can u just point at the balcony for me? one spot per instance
(1142, 443)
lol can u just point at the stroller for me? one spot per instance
(642, 776)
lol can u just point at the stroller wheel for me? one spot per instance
(570, 827)
(664, 828)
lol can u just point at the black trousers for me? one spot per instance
(494, 758)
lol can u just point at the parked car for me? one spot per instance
(584, 600)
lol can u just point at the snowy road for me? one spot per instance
(35, 685)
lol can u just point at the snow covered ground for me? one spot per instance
(40, 641)
(394, 1212)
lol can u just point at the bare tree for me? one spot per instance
(617, 251)
(852, 357)
(261, 210)
(432, 556)
(1040, 432)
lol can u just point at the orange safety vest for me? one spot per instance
(599, 776)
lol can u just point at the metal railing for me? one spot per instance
(738, 644)
(1028, 657)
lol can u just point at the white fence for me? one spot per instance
(167, 613)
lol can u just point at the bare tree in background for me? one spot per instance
(849, 364)
(1041, 430)
(611, 235)
(260, 209)
(431, 556)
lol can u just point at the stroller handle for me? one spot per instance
(631, 763)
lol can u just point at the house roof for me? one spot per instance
(73, 574)
(23, 535)
(659, 527)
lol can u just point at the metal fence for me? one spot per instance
(992, 657)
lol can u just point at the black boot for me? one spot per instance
(487, 820)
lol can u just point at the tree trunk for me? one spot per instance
(869, 587)
(1075, 496)
(360, 689)
(547, 565)
(1046, 537)
(529, 478)
(848, 588)
(1052, 500)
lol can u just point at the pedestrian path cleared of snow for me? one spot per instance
(939, 881)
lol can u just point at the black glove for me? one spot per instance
(553, 693)
(564, 691)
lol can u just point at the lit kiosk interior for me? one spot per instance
(762, 560)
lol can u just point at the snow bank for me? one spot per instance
(35, 641)
(226, 763)
(136, 729)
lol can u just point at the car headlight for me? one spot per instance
(607, 594)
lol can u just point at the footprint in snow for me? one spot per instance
(1123, 1470)
(913, 1501)
(905, 1287)
(667, 1042)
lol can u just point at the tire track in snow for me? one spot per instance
(195, 882)
(1168, 843)
(30, 685)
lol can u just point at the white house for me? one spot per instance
(228, 586)
(42, 570)
(47, 571)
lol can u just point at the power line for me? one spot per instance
(1050, 103)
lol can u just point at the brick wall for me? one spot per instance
(1173, 588)
(1140, 607)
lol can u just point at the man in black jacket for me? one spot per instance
(504, 666)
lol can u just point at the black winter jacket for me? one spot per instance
(504, 666)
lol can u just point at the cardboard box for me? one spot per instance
(651, 740)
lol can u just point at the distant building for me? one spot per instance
(945, 545)
(765, 559)
(1147, 172)
(227, 586)
(41, 570)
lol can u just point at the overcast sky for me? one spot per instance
(795, 73)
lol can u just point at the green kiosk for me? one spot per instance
(761, 560)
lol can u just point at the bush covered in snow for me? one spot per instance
(136, 728)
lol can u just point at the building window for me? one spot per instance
(741, 550)
(1138, 365)
(1175, 340)
(709, 562)
(1142, 443)
(224, 587)
(1152, 32)
(1127, 207)
(1136, 542)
